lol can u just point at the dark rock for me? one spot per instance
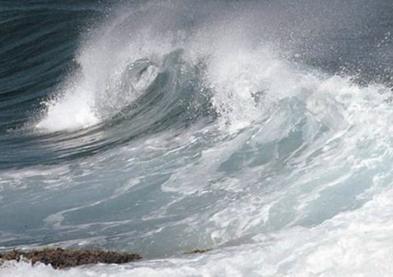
(62, 258)
(198, 251)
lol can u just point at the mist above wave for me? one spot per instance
(239, 51)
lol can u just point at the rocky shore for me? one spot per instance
(62, 258)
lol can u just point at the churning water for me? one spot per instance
(259, 129)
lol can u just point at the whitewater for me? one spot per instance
(260, 131)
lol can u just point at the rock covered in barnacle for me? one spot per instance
(62, 258)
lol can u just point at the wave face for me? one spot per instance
(258, 129)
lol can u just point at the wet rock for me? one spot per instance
(198, 251)
(62, 258)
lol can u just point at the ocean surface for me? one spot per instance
(261, 130)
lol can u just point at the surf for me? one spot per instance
(190, 125)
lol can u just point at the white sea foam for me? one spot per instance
(356, 243)
(73, 111)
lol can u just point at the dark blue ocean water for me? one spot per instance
(258, 129)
